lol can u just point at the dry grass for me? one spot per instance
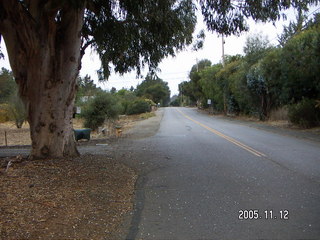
(280, 114)
(14, 135)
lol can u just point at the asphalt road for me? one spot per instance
(206, 178)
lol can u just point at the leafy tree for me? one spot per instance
(255, 48)
(194, 75)
(257, 86)
(293, 28)
(175, 101)
(113, 90)
(47, 39)
(300, 61)
(7, 85)
(155, 89)
(271, 69)
(230, 17)
(138, 106)
(314, 22)
(86, 88)
(304, 113)
(186, 93)
(126, 97)
(238, 86)
(103, 106)
(9, 95)
(17, 110)
(210, 86)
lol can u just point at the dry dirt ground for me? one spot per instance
(87, 197)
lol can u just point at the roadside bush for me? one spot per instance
(150, 102)
(4, 113)
(279, 114)
(17, 110)
(103, 106)
(304, 113)
(138, 106)
(175, 103)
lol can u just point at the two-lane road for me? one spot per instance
(216, 179)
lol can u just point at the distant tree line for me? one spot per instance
(266, 78)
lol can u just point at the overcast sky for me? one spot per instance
(175, 70)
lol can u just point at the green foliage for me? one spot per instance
(17, 110)
(4, 113)
(255, 48)
(265, 79)
(193, 89)
(125, 98)
(13, 107)
(210, 85)
(230, 17)
(103, 106)
(8, 85)
(150, 102)
(130, 35)
(301, 66)
(138, 106)
(186, 93)
(155, 89)
(293, 28)
(304, 113)
(175, 103)
(86, 88)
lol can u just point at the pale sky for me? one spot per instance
(176, 70)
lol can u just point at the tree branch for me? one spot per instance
(84, 47)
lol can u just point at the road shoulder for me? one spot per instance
(307, 134)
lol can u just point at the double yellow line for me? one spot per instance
(230, 139)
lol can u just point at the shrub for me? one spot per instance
(17, 110)
(279, 114)
(4, 113)
(150, 102)
(304, 113)
(175, 103)
(138, 106)
(103, 106)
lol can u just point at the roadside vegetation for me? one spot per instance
(95, 106)
(268, 82)
(98, 106)
(11, 105)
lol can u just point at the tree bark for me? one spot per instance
(44, 54)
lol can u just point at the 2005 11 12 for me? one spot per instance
(253, 214)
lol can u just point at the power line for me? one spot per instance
(313, 12)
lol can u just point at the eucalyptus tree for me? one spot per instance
(46, 40)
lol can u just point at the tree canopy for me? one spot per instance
(155, 89)
(267, 78)
(131, 34)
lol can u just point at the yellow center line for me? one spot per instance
(230, 139)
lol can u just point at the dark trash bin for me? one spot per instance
(82, 134)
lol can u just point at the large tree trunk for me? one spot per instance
(44, 54)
